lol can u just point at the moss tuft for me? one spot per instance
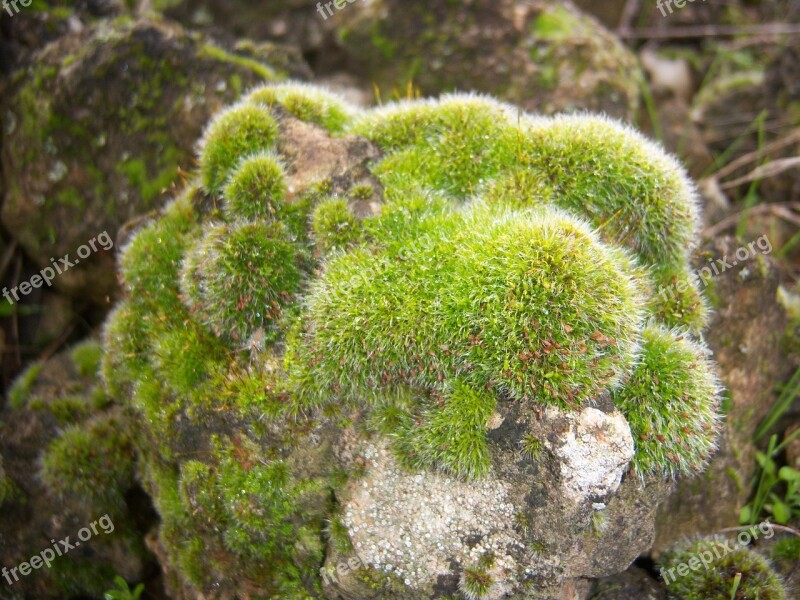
(20, 391)
(305, 102)
(93, 461)
(87, 358)
(334, 225)
(238, 278)
(714, 579)
(240, 131)
(256, 189)
(672, 404)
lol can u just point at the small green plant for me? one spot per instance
(531, 445)
(123, 592)
(475, 583)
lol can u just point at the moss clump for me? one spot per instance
(500, 300)
(256, 189)
(334, 225)
(254, 511)
(87, 357)
(305, 102)
(20, 391)
(724, 561)
(93, 461)
(672, 404)
(238, 279)
(475, 583)
(240, 131)
(449, 433)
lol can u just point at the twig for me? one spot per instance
(7, 256)
(629, 14)
(778, 209)
(732, 166)
(771, 169)
(703, 31)
(782, 528)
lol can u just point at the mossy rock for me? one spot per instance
(546, 57)
(342, 301)
(67, 462)
(98, 129)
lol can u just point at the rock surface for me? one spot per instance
(97, 130)
(745, 333)
(62, 395)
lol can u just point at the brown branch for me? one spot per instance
(779, 144)
(703, 31)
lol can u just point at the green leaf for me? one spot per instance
(781, 512)
(744, 515)
(789, 474)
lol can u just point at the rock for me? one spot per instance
(544, 57)
(373, 357)
(97, 129)
(633, 584)
(293, 22)
(68, 458)
(548, 524)
(745, 334)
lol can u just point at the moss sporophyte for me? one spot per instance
(501, 258)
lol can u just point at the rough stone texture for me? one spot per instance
(633, 584)
(745, 334)
(546, 57)
(97, 128)
(550, 520)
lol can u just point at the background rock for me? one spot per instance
(745, 334)
(97, 129)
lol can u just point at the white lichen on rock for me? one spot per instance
(414, 525)
(594, 452)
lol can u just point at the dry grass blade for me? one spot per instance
(771, 169)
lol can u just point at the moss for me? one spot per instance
(242, 130)
(256, 190)
(675, 429)
(531, 446)
(20, 391)
(305, 102)
(87, 357)
(254, 508)
(714, 578)
(92, 461)
(218, 54)
(532, 333)
(66, 409)
(556, 24)
(475, 583)
(787, 549)
(450, 434)
(334, 225)
(238, 279)
(513, 259)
